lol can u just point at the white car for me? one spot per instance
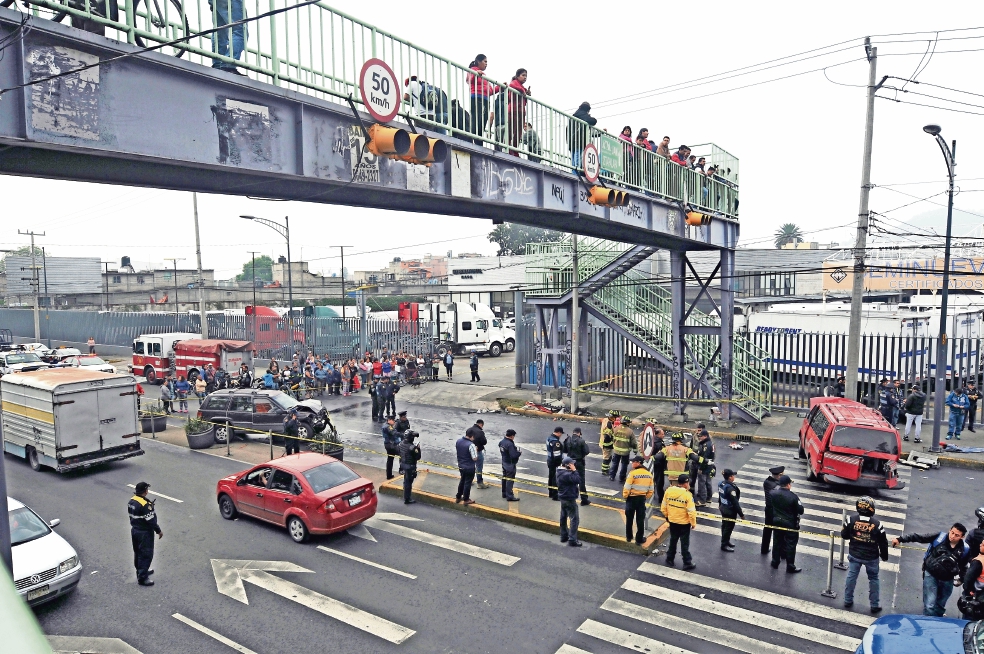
(20, 361)
(45, 565)
(89, 362)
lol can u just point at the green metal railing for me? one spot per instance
(644, 309)
(319, 51)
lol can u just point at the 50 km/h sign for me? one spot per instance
(591, 162)
(380, 90)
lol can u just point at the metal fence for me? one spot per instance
(319, 51)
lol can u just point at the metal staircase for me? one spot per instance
(627, 301)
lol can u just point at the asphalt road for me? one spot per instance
(593, 598)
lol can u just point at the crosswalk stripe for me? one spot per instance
(816, 513)
(627, 639)
(765, 596)
(803, 489)
(804, 522)
(765, 458)
(804, 535)
(711, 634)
(769, 622)
(591, 489)
(791, 454)
(845, 503)
(795, 469)
(800, 548)
(802, 480)
(570, 649)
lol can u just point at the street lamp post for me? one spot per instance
(950, 156)
(283, 230)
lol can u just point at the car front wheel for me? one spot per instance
(221, 433)
(227, 508)
(295, 527)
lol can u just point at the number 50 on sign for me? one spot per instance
(591, 162)
(380, 90)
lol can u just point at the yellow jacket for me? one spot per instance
(678, 506)
(639, 481)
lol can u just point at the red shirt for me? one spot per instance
(676, 159)
(516, 85)
(478, 84)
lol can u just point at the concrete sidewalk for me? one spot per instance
(600, 524)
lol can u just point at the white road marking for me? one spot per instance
(769, 622)
(815, 513)
(776, 599)
(800, 481)
(803, 489)
(806, 522)
(360, 531)
(627, 639)
(444, 543)
(728, 638)
(773, 452)
(230, 576)
(397, 517)
(166, 497)
(570, 649)
(375, 565)
(591, 489)
(800, 548)
(845, 503)
(217, 636)
(89, 644)
(440, 422)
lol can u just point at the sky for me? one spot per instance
(796, 124)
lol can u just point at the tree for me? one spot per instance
(264, 270)
(22, 251)
(788, 233)
(512, 238)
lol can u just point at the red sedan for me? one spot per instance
(309, 493)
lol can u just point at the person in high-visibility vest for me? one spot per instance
(624, 443)
(674, 460)
(607, 439)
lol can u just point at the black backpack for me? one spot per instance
(941, 561)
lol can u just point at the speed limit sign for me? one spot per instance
(591, 162)
(380, 90)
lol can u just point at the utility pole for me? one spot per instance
(201, 282)
(857, 293)
(34, 283)
(177, 317)
(342, 250)
(573, 322)
(253, 282)
(47, 298)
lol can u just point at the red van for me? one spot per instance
(846, 442)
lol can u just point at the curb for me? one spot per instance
(492, 513)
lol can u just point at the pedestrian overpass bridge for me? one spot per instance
(83, 106)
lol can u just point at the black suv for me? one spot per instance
(251, 410)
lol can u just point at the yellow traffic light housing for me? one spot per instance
(425, 150)
(606, 197)
(388, 141)
(695, 218)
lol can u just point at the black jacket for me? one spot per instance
(578, 134)
(510, 453)
(973, 394)
(868, 539)
(478, 437)
(142, 514)
(568, 484)
(392, 437)
(729, 499)
(786, 508)
(963, 553)
(705, 450)
(576, 448)
(769, 485)
(409, 455)
(402, 425)
(915, 403)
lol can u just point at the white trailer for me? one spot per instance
(69, 418)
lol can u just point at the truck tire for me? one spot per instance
(150, 375)
(495, 350)
(221, 433)
(192, 377)
(34, 460)
(510, 345)
(810, 475)
(802, 452)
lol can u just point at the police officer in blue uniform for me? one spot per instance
(510, 456)
(555, 452)
(729, 496)
(409, 455)
(291, 444)
(143, 526)
(391, 441)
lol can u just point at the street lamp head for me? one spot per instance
(933, 130)
(248, 217)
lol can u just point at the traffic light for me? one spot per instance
(425, 150)
(695, 218)
(607, 197)
(400, 144)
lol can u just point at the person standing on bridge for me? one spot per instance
(517, 109)
(578, 135)
(223, 13)
(481, 90)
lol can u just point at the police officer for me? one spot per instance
(245, 377)
(402, 423)
(391, 441)
(770, 484)
(555, 452)
(143, 526)
(729, 496)
(786, 512)
(409, 455)
(510, 456)
(868, 544)
(577, 449)
(705, 452)
(659, 463)
(973, 396)
(291, 444)
(377, 403)
(389, 397)
(607, 440)
(568, 484)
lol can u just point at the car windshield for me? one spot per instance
(25, 525)
(92, 361)
(283, 400)
(328, 476)
(27, 357)
(869, 440)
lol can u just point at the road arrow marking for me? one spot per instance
(370, 563)
(89, 645)
(440, 541)
(230, 575)
(166, 497)
(397, 517)
(360, 531)
(214, 634)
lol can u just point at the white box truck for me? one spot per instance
(69, 418)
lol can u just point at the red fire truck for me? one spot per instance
(157, 354)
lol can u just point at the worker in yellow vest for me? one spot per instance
(607, 439)
(624, 443)
(674, 460)
(637, 491)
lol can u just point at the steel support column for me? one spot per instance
(727, 307)
(678, 288)
(520, 338)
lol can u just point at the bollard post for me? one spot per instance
(228, 443)
(153, 419)
(270, 439)
(829, 592)
(841, 565)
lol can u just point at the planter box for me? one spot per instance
(159, 424)
(331, 449)
(201, 441)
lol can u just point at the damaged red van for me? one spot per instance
(846, 442)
